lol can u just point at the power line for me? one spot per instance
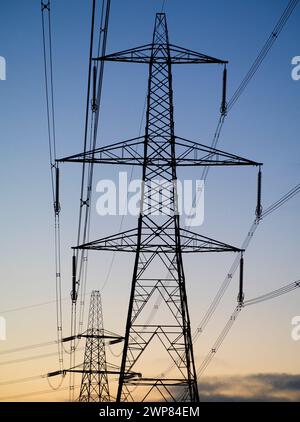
(29, 358)
(219, 341)
(289, 195)
(224, 286)
(51, 138)
(33, 393)
(22, 380)
(273, 294)
(251, 73)
(26, 307)
(224, 333)
(48, 71)
(272, 208)
(263, 53)
(268, 296)
(36, 357)
(30, 347)
(36, 305)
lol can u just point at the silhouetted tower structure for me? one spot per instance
(94, 384)
(159, 241)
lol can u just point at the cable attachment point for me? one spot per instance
(84, 203)
(45, 6)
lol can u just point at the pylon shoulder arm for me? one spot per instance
(188, 153)
(158, 239)
(153, 52)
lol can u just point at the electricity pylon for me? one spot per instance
(159, 241)
(94, 369)
(94, 384)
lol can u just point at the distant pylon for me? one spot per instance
(94, 384)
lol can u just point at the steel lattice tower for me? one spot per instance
(94, 384)
(160, 142)
(159, 241)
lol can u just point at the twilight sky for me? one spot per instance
(263, 126)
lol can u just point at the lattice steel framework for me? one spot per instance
(94, 384)
(158, 241)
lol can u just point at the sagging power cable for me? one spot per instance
(50, 107)
(30, 347)
(33, 394)
(273, 294)
(263, 52)
(222, 336)
(268, 296)
(273, 37)
(224, 286)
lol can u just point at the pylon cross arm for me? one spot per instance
(154, 241)
(163, 53)
(188, 153)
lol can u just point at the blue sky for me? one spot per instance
(263, 126)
